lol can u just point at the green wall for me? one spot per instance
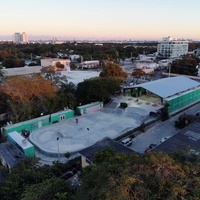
(36, 123)
(183, 100)
(88, 108)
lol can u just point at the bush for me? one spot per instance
(123, 105)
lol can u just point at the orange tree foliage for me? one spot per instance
(27, 95)
(139, 177)
(113, 70)
(138, 73)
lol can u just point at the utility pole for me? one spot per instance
(58, 149)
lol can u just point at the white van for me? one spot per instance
(127, 141)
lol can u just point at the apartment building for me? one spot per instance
(20, 38)
(172, 48)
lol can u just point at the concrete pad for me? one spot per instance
(111, 122)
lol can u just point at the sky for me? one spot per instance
(101, 19)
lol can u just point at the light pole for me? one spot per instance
(58, 149)
(169, 69)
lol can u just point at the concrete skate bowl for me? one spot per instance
(136, 113)
(51, 142)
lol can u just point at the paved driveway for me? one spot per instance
(158, 131)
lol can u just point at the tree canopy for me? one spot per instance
(140, 177)
(187, 66)
(111, 69)
(96, 89)
(27, 96)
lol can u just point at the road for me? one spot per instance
(161, 129)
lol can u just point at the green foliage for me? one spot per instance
(96, 89)
(123, 105)
(49, 189)
(31, 181)
(165, 114)
(187, 66)
(183, 121)
(103, 155)
(139, 177)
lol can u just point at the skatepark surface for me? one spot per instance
(73, 135)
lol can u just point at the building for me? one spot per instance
(18, 71)
(92, 107)
(88, 154)
(92, 64)
(10, 155)
(52, 62)
(39, 122)
(186, 139)
(20, 38)
(172, 48)
(22, 143)
(175, 92)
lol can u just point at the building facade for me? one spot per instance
(46, 62)
(20, 38)
(172, 48)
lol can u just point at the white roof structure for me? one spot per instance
(21, 70)
(21, 141)
(167, 87)
(79, 76)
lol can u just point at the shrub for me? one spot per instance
(123, 105)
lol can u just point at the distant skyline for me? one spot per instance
(100, 19)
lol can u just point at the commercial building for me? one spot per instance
(92, 64)
(174, 92)
(46, 62)
(172, 48)
(20, 38)
(186, 139)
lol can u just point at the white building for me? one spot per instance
(20, 38)
(147, 66)
(171, 48)
(52, 62)
(90, 64)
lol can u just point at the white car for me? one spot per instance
(127, 142)
(164, 139)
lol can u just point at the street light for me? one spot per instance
(58, 149)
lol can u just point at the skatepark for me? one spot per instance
(77, 133)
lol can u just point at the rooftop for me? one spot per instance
(167, 87)
(11, 154)
(90, 152)
(189, 137)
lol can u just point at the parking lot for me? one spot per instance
(158, 131)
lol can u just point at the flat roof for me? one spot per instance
(90, 152)
(11, 154)
(167, 87)
(21, 141)
(189, 137)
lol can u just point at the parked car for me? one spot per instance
(151, 146)
(127, 141)
(164, 139)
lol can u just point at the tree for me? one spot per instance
(29, 180)
(60, 66)
(28, 96)
(111, 69)
(138, 73)
(53, 188)
(140, 177)
(187, 66)
(96, 89)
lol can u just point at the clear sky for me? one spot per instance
(101, 19)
